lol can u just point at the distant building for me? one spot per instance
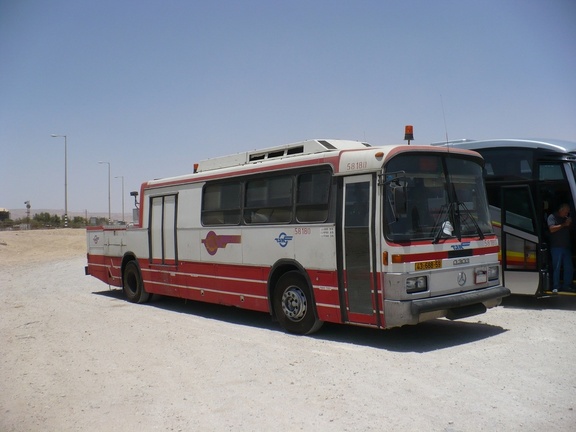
(4, 214)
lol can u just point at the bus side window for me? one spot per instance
(268, 200)
(221, 204)
(313, 193)
(357, 201)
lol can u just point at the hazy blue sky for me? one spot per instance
(154, 86)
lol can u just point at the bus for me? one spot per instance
(317, 231)
(526, 180)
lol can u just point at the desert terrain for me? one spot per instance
(75, 356)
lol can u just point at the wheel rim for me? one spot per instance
(294, 303)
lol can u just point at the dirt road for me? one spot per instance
(76, 357)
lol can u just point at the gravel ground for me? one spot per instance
(76, 357)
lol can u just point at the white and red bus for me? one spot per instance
(318, 231)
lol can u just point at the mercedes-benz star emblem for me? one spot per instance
(461, 278)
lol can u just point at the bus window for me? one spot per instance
(518, 211)
(551, 172)
(268, 200)
(510, 163)
(221, 204)
(469, 193)
(438, 189)
(312, 202)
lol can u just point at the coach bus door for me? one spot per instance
(524, 257)
(358, 251)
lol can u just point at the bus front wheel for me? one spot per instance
(294, 305)
(132, 284)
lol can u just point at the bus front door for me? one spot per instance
(358, 251)
(523, 256)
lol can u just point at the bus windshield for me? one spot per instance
(434, 197)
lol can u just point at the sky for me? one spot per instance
(153, 86)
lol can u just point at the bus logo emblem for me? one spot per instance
(461, 278)
(213, 242)
(283, 239)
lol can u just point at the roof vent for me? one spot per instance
(302, 148)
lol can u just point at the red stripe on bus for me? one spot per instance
(428, 256)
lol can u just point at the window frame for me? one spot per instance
(271, 210)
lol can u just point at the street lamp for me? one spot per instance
(109, 213)
(27, 213)
(122, 177)
(65, 177)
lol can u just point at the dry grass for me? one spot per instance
(20, 247)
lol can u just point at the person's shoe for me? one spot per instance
(570, 290)
(554, 291)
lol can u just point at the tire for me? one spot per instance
(132, 284)
(294, 305)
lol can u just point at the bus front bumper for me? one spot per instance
(451, 306)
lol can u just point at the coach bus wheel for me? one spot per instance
(294, 306)
(132, 284)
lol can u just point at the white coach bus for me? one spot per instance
(318, 231)
(526, 180)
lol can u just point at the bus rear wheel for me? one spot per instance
(294, 305)
(133, 285)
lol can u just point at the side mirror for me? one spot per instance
(398, 192)
(135, 195)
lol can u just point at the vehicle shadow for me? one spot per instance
(559, 302)
(424, 337)
(205, 310)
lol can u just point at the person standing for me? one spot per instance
(559, 226)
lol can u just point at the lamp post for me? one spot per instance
(27, 213)
(109, 213)
(65, 177)
(122, 177)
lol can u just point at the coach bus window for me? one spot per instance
(518, 209)
(221, 204)
(313, 194)
(551, 172)
(268, 200)
(508, 164)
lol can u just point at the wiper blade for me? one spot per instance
(469, 213)
(441, 227)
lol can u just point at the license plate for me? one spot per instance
(428, 265)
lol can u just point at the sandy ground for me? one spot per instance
(75, 356)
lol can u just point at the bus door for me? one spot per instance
(558, 186)
(524, 256)
(358, 251)
(162, 230)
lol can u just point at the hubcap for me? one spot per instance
(294, 303)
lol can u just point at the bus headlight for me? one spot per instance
(416, 284)
(493, 273)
